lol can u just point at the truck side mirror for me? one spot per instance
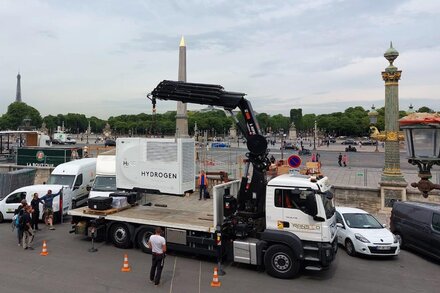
(88, 188)
(312, 209)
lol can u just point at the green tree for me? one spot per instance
(18, 111)
(425, 109)
(296, 117)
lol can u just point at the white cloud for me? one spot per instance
(102, 57)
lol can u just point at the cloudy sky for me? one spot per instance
(101, 57)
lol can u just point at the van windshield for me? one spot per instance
(61, 180)
(104, 183)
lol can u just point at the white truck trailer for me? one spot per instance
(284, 224)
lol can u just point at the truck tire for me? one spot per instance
(142, 239)
(120, 235)
(280, 262)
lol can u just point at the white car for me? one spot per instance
(360, 232)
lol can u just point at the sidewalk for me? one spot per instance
(367, 177)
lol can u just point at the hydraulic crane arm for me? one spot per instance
(252, 194)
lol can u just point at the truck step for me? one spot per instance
(311, 258)
(313, 268)
(310, 248)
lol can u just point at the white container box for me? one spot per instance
(155, 165)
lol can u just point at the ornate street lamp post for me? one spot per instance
(372, 115)
(422, 137)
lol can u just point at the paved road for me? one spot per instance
(69, 267)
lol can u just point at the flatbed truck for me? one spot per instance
(283, 224)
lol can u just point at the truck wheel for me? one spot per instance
(120, 235)
(142, 239)
(280, 262)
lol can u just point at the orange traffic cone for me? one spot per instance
(125, 267)
(215, 282)
(44, 251)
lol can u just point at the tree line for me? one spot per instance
(354, 121)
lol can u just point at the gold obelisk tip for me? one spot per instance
(182, 42)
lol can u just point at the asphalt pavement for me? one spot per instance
(69, 267)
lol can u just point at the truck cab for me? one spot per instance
(301, 205)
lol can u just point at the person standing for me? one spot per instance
(18, 214)
(28, 236)
(35, 204)
(48, 207)
(158, 250)
(345, 160)
(340, 160)
(203, 184)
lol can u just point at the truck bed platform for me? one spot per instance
(180, 212)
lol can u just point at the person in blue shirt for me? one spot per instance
(203, 184)
(47, 201)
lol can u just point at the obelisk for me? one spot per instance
(18, 93)
(181, 115)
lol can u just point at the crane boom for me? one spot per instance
(251, 197)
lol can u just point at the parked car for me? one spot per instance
(332, 140)
(109, 142)
(70, 140)
(57, 141)
(290, 146)
(417, 226)
(350, 149)
(349, 142)
(304, 152)
(360, 232)
(368, 142)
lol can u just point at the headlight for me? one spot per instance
(361, 238)
(395, 239)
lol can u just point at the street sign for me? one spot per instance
(294, 161)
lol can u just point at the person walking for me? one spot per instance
(340, 160)
(158, 249)
(48, 207)
(18, 214)
(203, 184)
(345, 160)
(28, 235)
(35, 204)
(313, 157)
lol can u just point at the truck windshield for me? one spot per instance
(61, 180)
(329, 207)
(104, 183)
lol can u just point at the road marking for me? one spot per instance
(200, 275)
(174, 271)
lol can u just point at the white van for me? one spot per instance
(10, 203)
(77, 176)
(105, 180)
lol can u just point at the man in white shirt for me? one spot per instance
(158, 248)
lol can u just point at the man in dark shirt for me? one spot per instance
(35, 203)
(48, 207)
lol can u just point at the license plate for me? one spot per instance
(383, 248)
